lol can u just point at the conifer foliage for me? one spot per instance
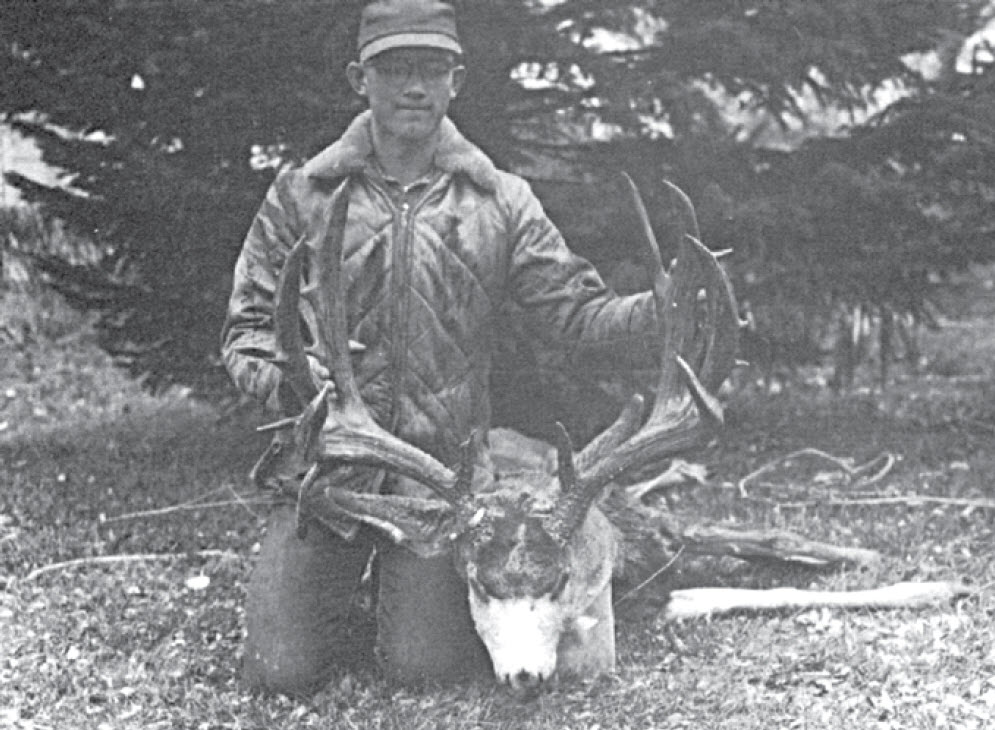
(843, 148)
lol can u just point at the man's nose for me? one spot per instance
(414, 86)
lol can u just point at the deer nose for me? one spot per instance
(526, 681)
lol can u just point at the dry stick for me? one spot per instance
(186, 507)
(770, 544)
(844, 464)
(714, 539)
(700, 602)
(109, 559)
(244, 503)
(902, 499)
(166, 510)
(649, 580)
(707, 538)
(889, 462)
(678, 473)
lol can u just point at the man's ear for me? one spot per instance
(459, 78)
(356, 75)
(424, 526)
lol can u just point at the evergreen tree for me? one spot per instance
(173, 115)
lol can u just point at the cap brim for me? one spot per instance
(409, 40)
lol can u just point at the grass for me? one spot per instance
(155, 643)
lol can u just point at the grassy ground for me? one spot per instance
(155, 642)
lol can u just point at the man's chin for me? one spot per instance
(418, 132)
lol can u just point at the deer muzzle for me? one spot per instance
(521, 636)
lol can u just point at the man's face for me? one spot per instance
(409, 90)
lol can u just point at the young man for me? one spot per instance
(437, 241)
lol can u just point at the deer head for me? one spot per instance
(536, 553)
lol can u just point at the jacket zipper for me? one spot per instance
(404, 217)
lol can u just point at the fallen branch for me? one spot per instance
(679, 472)
(845, 464)
(701, 602)
(111, 559)
(782, 545)
(650, 536)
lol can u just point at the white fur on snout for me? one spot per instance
(521, 634)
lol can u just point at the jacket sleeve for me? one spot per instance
(247, 339)
(565, 299)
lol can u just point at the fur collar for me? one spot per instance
(351, 153)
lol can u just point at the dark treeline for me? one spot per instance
(842, 148)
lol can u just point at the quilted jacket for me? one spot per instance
(426, 282)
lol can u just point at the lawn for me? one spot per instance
(91, 467)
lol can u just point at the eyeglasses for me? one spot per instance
(398, 71)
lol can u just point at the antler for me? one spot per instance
(336, 426)
(684, 411)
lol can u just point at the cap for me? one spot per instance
(387, 24)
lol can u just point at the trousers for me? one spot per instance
(301, 617)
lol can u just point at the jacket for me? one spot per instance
(426, 283)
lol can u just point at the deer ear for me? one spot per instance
(424, 526)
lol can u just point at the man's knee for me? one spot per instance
(453, 661)
(301, 663)
(290, 675)
(425, 632)
(300, 609)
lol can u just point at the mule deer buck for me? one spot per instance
(535, 549)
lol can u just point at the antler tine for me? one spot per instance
(683, 410)
(651, 252)
(290, 357)
(713, 338)
(721, 329)
(652, 248)
(628, 421)
(350, 434)
(572, 501)
(566, 468)
(719, 340)
(689, 218)
(326, 294)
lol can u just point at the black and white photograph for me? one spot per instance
(497, 364)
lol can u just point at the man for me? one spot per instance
(437, 241)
